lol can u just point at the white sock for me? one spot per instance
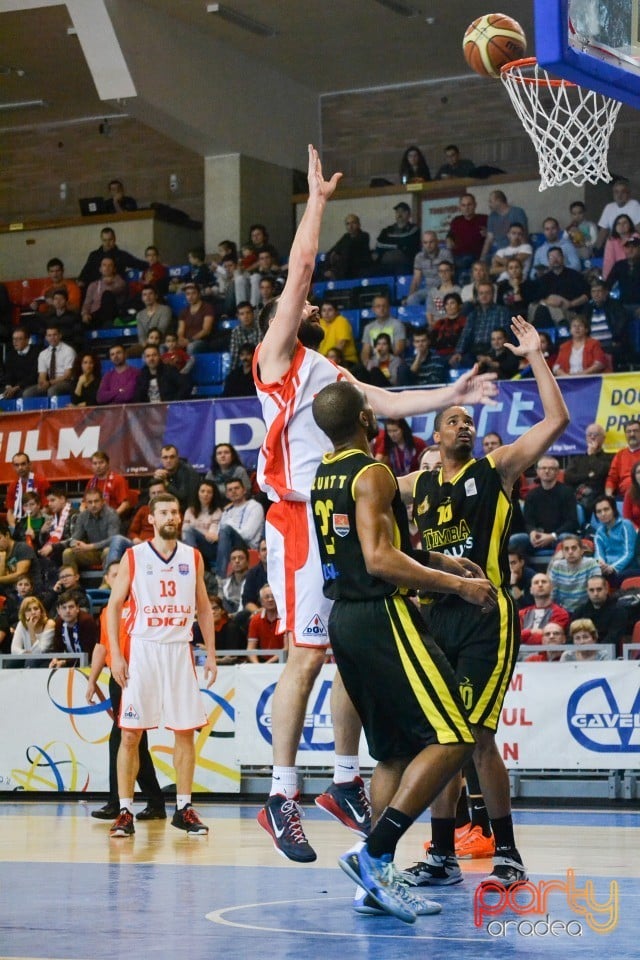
(285, 781)
(182, 799)
(127, 804)
(346, 769)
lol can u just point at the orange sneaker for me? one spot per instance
(475, 846)
(461, 833)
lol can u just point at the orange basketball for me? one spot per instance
(491, 41)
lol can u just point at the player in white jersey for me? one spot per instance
(288, 375)
(164, 582)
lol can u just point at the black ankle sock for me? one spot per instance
(387, 831)
(442, 834)
(462, 809)
(503, 832)
(479, 815)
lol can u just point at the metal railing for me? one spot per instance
(526, 649)
(40, 660)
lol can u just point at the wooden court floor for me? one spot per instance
(67, 892)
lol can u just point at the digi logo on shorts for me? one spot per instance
(317, 733)
(599, 723)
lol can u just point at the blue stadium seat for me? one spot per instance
(32, 403)
(133, 274)
(353, 316)
(454, 374)
(114, 333)
(634, 336)
(414, 314)
(180, 273)
(58, 403)
(536, 240)
(8, 406)
(177, 302)
(210, 369)
(345, 284)
(319, 289)
(402, 286)
(207, 390)
(230, 323)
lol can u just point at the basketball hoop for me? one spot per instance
(570, 126)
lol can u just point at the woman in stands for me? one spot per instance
(583, 633)
(615, 541)
(582, 354)
(621, 230)
(85, 391)
(631, 502)
(396, 446)
(445, 332)
(413, 166)
(35, 629)
(201, 522)
(515, 292)
(227, 465)
(479, 274)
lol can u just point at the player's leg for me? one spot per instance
(475, 840)
(128, 761)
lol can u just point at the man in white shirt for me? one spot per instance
(241, 524)
(622, 203)
(55, 367)
(517, 247)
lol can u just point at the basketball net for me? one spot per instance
(570, 127)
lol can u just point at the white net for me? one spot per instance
(569, 126)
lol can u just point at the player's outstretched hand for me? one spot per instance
(472, 387)
(528, 339)
(318, 186)
(482, 593)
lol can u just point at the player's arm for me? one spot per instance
(98, 660)
(374, 492)
(207, 628)
(514, 458)
(280, 339)
(119, 593)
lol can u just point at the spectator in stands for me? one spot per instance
(117, 201)
(569, 572)
(350, 257)
(268, 290)
(118, 385)
(241, 524)
(616, 541)
(154, 315)
(622, 203)
(583, 633)
(476, 336)
(413, 166)
(196, 322)
(552, 635)
(200, 273)
(105, 297)
(398, 244)
(10, 612)
(67, 321)
(247, 331)
(230, 587)
(55, 280)
(425, 267)
(581, 355)
(34, 633)
(467, 233)
(623, 228)
(75, 630)
(85, 390)
(427, 366)
(626, 274)
(499, 359)
(26, 481)
(113, 486)
(619, 476)
(27, 529)
(500, 218)
(59, 527)
(179, 476)
(140, 529)
(228, 636)
(396, 446)
(226, 465)
(174, 355)
(608, 321)
(549, 511)
(16, 560)
(552, 238)
(583, 233)
(491, 441)
(455, 166)
(259, 237)
(384, 369)
(201, 522)
(263, 631)
(159, 382)
(383, 323)
(600, 607)
(515, 292)
(338, 332)
(586, 473)
(446, 332)
(520, 579)
(255, 579)
(560, 292)
(94, 530)
(631, 503)
(436, 295)
(239, 381)
(518, 248)
(479, 274)
(55, 367)
(21, 364)
(68, 578)
(534, 618)
(267, 266)
(123, 259)
(156, 273)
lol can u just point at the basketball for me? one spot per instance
(491, 41)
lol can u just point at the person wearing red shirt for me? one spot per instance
(113, 487)
(619, 478)
(263, 628)
(467, 234)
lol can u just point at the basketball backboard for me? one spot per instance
(594, 43)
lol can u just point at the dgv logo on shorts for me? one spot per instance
(130, 713)
(599, 723)
(315, 628)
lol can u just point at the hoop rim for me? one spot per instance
(535, 81)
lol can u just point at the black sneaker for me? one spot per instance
(123, 826)
(508, 868)
(437, 870)
(281, 818)
(189, 821)
(152, 813)
(109, 812)
(348, 803)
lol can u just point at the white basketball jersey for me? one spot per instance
(163, 593)
(294, 445)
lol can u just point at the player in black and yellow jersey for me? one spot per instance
(464, 510)
(398, 679)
